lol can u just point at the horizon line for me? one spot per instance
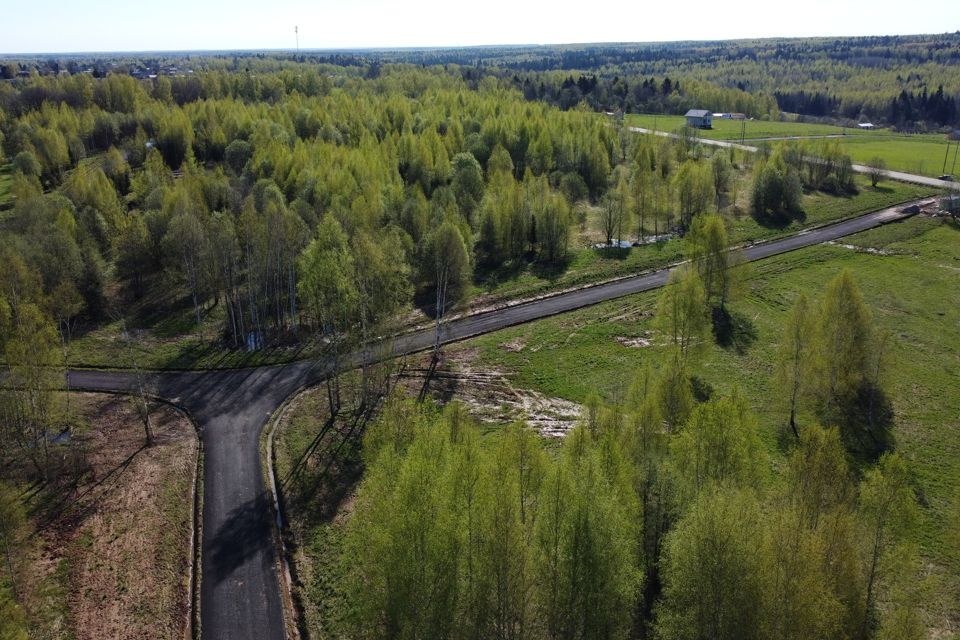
(408, 48)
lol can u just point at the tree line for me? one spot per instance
(904, 81)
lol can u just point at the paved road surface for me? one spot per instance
(240, 595)
(899, 176)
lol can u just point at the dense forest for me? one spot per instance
(218, 182)
(910, 82)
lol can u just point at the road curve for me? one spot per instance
(240, 592)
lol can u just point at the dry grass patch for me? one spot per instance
(113, 561)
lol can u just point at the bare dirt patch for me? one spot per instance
(116, 555)
(636, 342)
(491, 397)
(859, 249)
(514, 346)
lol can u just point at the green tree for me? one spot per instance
(794, 356)
(540, 154)
(719, 444)
(499, 162)
(818, 475)
(404, 538)
(26, 163)
(448, 265)
(587, 532)
(693, 184)
(877, 170)
(327, 286)
(843, 346)
(888, 509)
(776, 192)
(133, 253)
(641, 181)
(708, 249)
(467, 183)
(799, 602)
(711, 571)
(30, 405)
(554, 228)
(185, 244)
(682, 314)
(723, 175)
(614, 210)
(174, 137)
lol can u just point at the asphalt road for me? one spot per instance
(240, 591)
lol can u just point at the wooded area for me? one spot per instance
(660, 516)
(323, 197)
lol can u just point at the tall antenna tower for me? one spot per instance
(296, 34)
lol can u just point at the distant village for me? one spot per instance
(139, 69)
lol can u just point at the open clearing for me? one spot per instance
(758, 129)
(922, 154)
(112, 559)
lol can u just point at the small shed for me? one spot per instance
(700, 119)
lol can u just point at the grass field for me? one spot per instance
(909, 278)
(922, 154)
(752, 129)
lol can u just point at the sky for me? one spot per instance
(51, 26)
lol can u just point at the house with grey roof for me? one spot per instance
(700, 119)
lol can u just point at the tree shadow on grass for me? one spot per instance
(779, 220)
(490, 277)
(866, 422)
(701, 389)
(733, 330)
(613, 253)
(551, 270)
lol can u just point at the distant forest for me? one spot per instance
(909, 82)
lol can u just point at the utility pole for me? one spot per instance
(945, 157)
(296, 34)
